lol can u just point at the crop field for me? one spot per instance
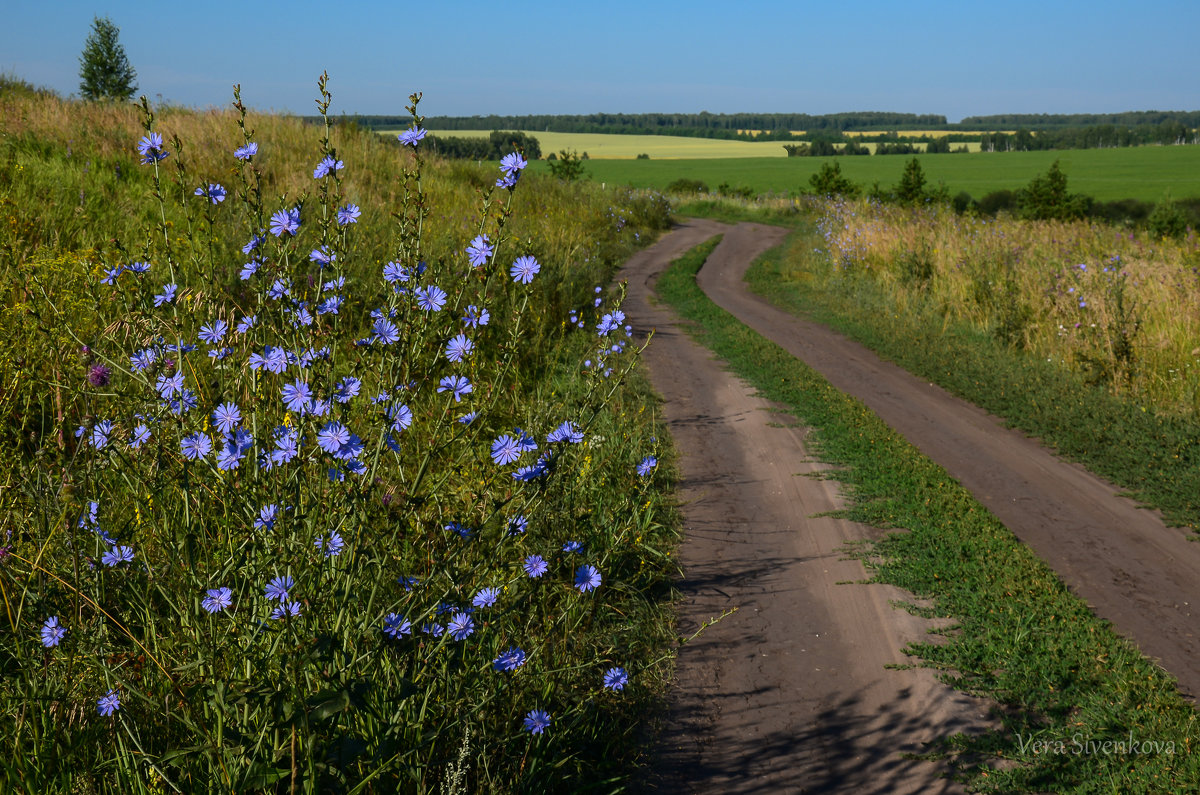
(601, 146)
(1143, 173)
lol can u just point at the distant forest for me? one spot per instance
(1002, 132)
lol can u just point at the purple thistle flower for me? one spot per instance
(537, 721)
(587, 578)
(217, 599)
(524, 269)
(98, 375)
(52, 632)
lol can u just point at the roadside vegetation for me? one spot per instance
(323, 463)
(1062, 677)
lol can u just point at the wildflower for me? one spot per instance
(278, 588)
(151, 148)
(457, 385)
(468, 418)
(111, 274)
(396, 626)
(505, 450)
(296, 396)
(537, 721)
(535, 566)
(573, 546)
(332, 545)
(285, 221)
(138, 267)
(110, 702)
(217, 599)
(246, 324)
(587, 578)
(327, 166)
(167, 295)
(255, 242)
(459, 348)
(227, 416)
(431, 298)
(246, 152)
(195, 446)
(530, 472)
(117, 555)
(458, 527)
(486, 597)
(524, 269)
(141, 435)
(400, 416)
(646, 466)
(333, 437)
(214, 193)
(168, 385)
(322, 256)
(187, 400)
(616, 678)
(509, 660)
(214, 332)
(278, 289)
(286, 610)
(411, 136)
(476, 316)
(98, 375)
(348, 215)
(512, 163)
(266, 518)
(567, 432)
(347, 388)
(334, 284)
(52, 632)
(478, 250)
(385, 331)
(460, 626)
(517, 525)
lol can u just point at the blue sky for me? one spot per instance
(956, 59)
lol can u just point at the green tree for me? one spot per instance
(1046, 198)
(911, 189)
(568, 165)
(104, 69)
(829, 181)
(1167, 219)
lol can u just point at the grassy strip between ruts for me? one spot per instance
(1066, 683)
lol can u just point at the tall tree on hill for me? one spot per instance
(104, 69)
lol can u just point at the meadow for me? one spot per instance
(1144, 173)
(602, 146)
(325, 467)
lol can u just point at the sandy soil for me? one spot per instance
(791, 693)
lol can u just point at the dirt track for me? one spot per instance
(791, 694)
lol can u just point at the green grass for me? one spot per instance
(1143, 173)
(1020, 637)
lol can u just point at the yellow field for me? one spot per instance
(627, 147)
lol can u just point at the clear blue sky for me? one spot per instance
(957, 59)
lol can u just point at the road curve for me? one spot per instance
(792, 693)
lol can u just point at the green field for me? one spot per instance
(1144, 173)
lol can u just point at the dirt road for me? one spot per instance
(791, 694)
